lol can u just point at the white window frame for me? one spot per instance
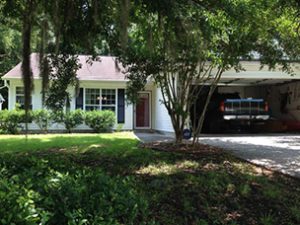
(109, 105)
(92, 105)
(100, 101)
(21, 95)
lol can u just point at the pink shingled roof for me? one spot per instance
(103, 69)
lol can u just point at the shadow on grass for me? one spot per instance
(109, 180)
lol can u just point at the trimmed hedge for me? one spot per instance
(100, 121)
(42, 118)
(11, 122)
(73, 119)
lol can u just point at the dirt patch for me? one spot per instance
(185, 148)
(213, 156)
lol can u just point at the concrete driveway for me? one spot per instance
(276, 151)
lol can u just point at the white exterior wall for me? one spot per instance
(162, 120)
(293, 105)
(37, 101)
(36, 94)
(128, 125)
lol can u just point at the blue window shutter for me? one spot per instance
(79, 99)
(121, 105)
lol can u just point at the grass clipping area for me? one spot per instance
(112, 179)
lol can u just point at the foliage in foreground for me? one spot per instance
(78, 178)
(48, 193)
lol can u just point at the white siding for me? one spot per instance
(162, 120)
(36, 94)
(37, 100)
(128, 125)
(293, 106)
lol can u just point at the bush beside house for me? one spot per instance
(73, 119)
(100, 121)
(12, 122)
(43, 118)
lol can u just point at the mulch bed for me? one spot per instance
(199, 150)
(186, 148)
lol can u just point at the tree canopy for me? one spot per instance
(174, 43)
(178, 44)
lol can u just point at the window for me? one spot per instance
(108, 99)
(100, 99)
(20, 97)
(92, 99)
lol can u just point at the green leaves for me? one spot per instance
(63, 74)
(42, 118)
(100, 121)
(79, 196)
(73, 119)
(10, 121)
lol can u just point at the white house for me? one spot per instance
(102, 86)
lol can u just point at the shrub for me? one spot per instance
(120, 127)
(73, 119)
(100, 121)
(10, 121)
(57, 116)
(42, 118)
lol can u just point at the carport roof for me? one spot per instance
(254, 75)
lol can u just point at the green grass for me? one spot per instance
(80, 142)
(108, 179)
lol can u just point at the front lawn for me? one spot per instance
(108, 179)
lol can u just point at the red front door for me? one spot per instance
(142, 112)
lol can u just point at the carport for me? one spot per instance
(281, 90)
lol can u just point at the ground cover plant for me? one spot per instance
(111, 179)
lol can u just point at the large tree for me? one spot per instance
(184, 46)
(59, 30)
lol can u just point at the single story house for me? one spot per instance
(102, 86)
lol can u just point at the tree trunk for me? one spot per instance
(26, 69)
(178, 136)
(198, 128)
